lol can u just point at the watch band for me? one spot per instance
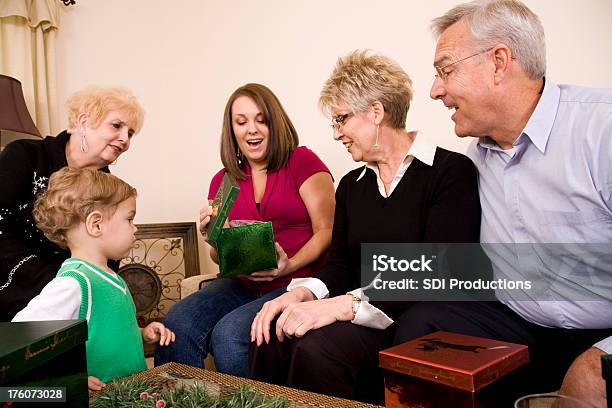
(355, 305)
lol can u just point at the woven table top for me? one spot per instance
(218, 383)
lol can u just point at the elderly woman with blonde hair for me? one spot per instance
(327, 337)
(101, 124)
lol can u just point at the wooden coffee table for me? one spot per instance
(217, 384)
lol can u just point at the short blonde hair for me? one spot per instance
(361, 78)
(72, 195)
(96, 102)
(283, 136)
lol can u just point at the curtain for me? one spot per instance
(28, 30)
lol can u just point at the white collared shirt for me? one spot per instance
(367, 315)
(421, 148)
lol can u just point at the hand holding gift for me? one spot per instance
(205, 214)
(243, 246)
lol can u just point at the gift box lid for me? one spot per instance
(27, 345)
(464, 362)
(221, 205)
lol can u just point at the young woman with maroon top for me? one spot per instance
(279, 182)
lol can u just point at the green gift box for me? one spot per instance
(241, 249)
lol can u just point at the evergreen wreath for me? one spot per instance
(146, 393)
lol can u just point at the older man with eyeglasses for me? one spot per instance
(544, 155)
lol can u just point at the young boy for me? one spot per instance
(92, 214)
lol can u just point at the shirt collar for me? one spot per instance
(541, 122)
(538, 126)
(421, 148)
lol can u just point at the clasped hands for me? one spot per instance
(299, 313)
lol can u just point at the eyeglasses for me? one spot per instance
(441, 71)
(339, 120)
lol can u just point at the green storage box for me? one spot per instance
(241, 249)
(46, 354)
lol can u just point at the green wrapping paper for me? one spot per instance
(241, 249)
(245, 249)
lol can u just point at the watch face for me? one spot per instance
(144, 285)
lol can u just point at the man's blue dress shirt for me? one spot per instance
(553, 186)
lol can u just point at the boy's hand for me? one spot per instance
(94, 384)
(157, 331)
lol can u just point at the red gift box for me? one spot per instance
(446, 366)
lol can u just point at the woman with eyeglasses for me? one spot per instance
(327, 337)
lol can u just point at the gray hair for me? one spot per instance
(508, 22)
(361, 78)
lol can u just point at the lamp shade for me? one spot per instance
(14, 115)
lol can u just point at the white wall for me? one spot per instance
(183, 58)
